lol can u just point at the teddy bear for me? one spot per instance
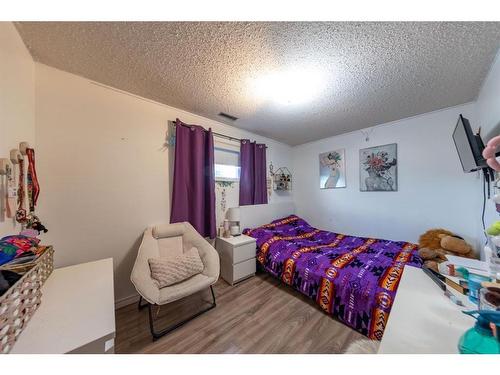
(436, 243)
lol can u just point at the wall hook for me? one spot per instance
(4, 164)
(271, 168)
(15, 156)
(23, 146)
(367, 134)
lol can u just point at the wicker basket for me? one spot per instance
(19, 303)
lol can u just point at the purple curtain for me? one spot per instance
(253, 189)
(193, 195)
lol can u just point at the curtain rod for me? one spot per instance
(218, 134)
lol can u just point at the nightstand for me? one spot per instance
(237, 257)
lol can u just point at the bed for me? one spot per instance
(354, 279)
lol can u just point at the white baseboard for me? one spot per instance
(134, 298)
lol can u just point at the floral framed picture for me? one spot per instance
(378, 168)
(332, 169)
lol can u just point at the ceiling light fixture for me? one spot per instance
(289, 87)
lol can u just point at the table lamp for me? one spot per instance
(233, 215)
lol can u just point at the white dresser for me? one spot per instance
(422, 319)
(77, 313)
(237, 257)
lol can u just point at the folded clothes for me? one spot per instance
(5, 258)
(25, 254)
(7, 279)
(12, 246)
(22, 260)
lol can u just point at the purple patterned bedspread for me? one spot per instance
(354, 279)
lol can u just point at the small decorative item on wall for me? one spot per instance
(378, 169)
(332, 169)
(269, 181)
(282, 179)
(269, 186)
(222, 185)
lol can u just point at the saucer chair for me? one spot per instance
(169, 240)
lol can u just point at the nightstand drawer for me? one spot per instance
(244, 269)
(244, 252)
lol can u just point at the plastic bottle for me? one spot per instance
(483, 337)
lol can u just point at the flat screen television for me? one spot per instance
(469, 146)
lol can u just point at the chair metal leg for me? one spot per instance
(157, 334)
(140, 306)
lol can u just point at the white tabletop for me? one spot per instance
(423, 319)
(238, 240)
(77, 308)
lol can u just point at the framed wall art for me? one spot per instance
(378, 168)
(332, 169)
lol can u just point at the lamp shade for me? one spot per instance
(233, 214)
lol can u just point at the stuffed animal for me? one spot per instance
(456, 246)
(431, 238)
(431, 258)
(33, 222)
(38, 226)
(436, 243)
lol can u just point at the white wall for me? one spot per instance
(103, 172)
(432, 191)
(488, 114)
(17, 102)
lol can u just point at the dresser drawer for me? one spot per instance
(244, 252)
(244, 269)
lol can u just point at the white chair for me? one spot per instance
(173, 239)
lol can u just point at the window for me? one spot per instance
(227, 165)
(227, 172)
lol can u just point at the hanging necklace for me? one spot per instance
(21, 212)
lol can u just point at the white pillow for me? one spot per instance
(172, 270)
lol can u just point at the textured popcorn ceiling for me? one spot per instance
(373, 72)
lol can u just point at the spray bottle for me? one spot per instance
(483, 338)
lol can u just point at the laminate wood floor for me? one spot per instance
(259, 315)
